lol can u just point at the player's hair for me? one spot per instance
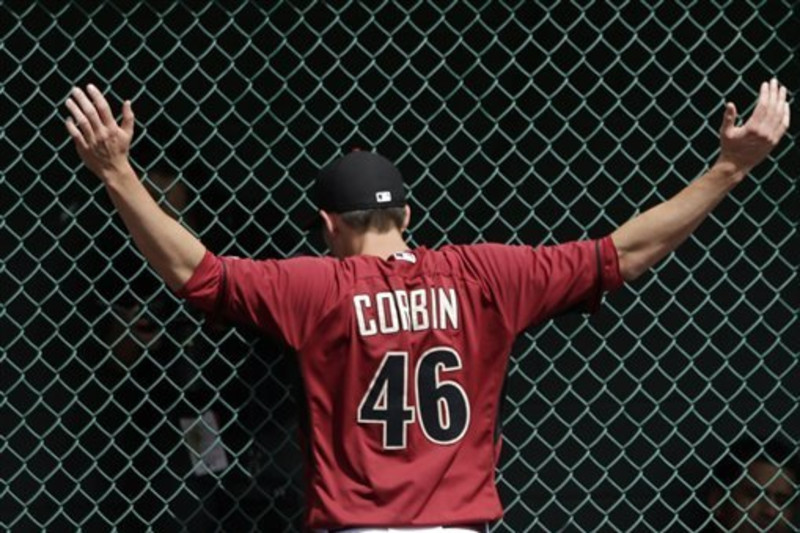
(381, 220)
(746, 451)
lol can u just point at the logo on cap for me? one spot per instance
(383, 196)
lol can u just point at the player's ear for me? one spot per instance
(328, 222)
(406, 218)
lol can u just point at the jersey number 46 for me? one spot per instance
(442, 407)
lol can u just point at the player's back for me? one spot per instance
(403, 378)
(403, 362)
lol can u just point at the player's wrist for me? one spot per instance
(729, 170)
(118, 174)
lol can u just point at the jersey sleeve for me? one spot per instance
(284, 298)
(532, 284)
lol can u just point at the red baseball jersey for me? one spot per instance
(403, 362)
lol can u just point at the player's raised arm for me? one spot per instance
(647, 238)
(103, 145)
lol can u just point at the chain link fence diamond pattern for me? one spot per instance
(517, 122)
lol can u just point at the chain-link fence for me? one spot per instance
(516, 122)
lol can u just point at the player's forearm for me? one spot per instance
(171, 249)
(646, 239)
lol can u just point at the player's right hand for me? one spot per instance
(101, 142)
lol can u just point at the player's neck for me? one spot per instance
(379, 244)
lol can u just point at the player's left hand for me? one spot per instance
(102, 143)
(743, 147)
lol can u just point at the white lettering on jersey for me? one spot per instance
(417, 310)
(387, 313)
(433, 313)
(448, 308)
(401, 299)
(360, 301)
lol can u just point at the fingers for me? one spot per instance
(76, 134)
(80, 121)
(92, 118)
(90, 113)
(101, 105)
(728, 118)
(770, 118)
(762, 104)
(127, 118)
(782, 106)
(772, 94)
(786, 116)
(92, 124)
(747, 145)
(776, 119)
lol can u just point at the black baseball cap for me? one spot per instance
(359, 180)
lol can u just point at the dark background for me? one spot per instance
(512, 122)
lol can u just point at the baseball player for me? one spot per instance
(403, 352)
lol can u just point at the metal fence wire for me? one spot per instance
(518, 122)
